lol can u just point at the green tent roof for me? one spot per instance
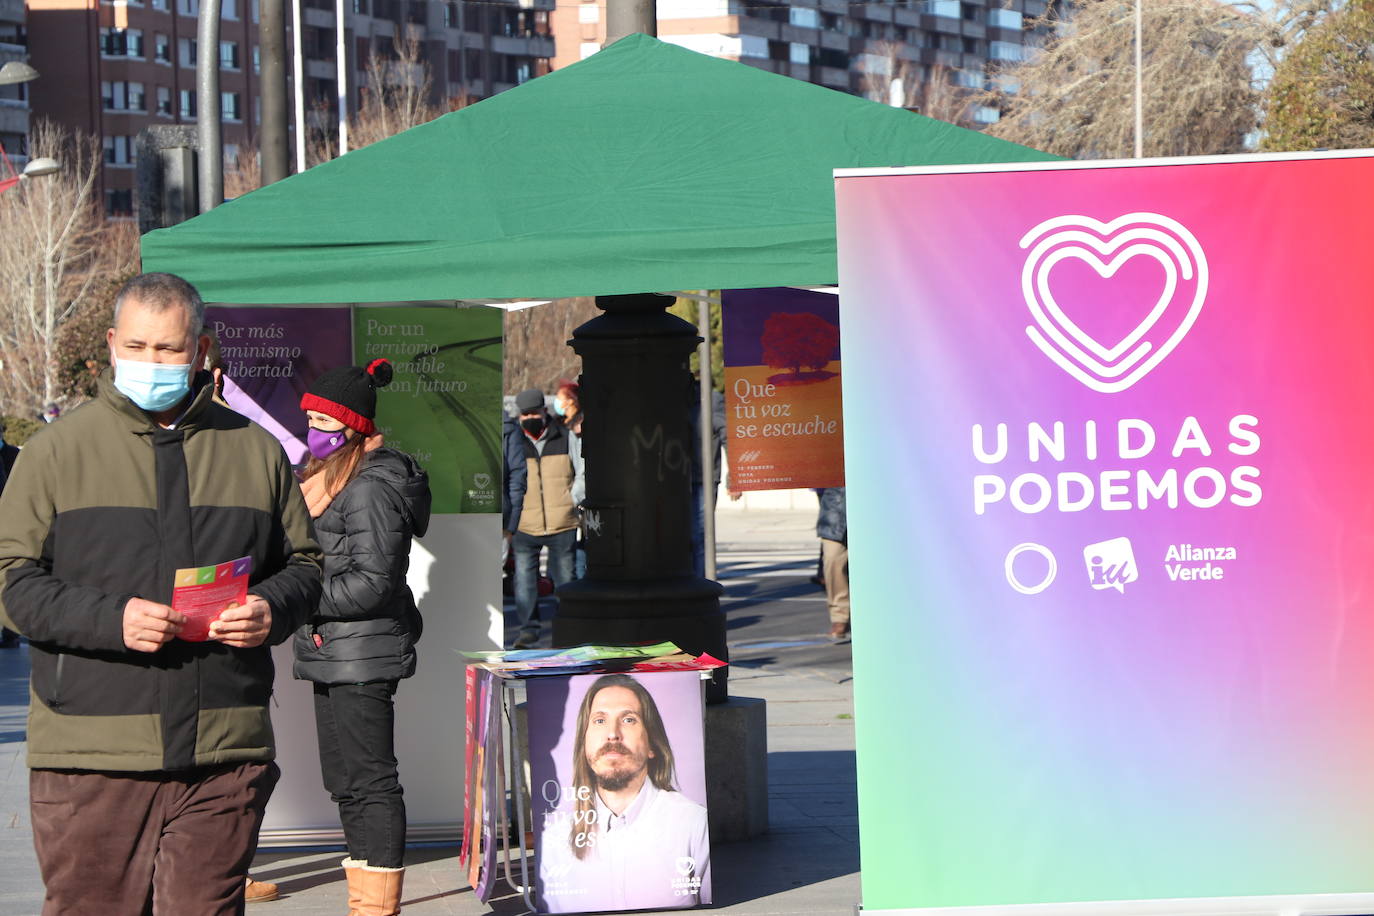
(644, 167)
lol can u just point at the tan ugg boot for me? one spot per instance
(381, 890)
(353, 868)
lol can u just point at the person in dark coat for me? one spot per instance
(8, 453)
(368, 502)
(833, 529)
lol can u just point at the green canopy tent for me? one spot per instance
(644, 167)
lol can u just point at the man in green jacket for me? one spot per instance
(149, 744)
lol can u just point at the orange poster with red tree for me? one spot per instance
(783, 409)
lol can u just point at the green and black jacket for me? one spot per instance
(105, 505)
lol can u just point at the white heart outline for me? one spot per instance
(1107, 354)
(1170, 234)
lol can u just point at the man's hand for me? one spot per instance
(148, 626)
(245, 626)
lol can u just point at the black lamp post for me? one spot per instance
(637, 392)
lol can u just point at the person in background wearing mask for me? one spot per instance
(8, 454)
(368, 502)
(151, 755)
(567, 405)
(544, 488)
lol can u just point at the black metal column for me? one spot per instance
(636, 445)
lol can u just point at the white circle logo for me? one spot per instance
(1044, 583)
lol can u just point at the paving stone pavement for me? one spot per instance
(808, 862)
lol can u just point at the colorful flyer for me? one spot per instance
(1111, 520)
(619, 789)
(203, 593)
(782, 388)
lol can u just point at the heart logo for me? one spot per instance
(685, 865)
(481, 481)
(1130, 353)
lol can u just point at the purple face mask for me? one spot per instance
(322, 444)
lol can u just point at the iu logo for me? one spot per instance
(1136, 288)
(481, 481)
(1111, 564)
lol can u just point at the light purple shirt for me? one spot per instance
(657, 855)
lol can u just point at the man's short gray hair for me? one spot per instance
(159, 292)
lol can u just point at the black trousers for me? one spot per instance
(356, 728)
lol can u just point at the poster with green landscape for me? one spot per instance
(444, 404)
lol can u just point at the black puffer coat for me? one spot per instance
(367, 624)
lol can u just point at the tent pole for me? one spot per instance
(298, 78)
(341, 61)
(708, 452)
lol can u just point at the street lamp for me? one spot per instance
(16, 71)
(43, 165)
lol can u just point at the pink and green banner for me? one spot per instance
(1111, 524)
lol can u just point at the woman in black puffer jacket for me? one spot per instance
(368, 501)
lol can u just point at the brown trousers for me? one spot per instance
(134, 844)
(835, 565)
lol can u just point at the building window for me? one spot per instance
(113, 95)
(949, 9)
(118, 150)
(229, 9)
(186, 51)
(188, 104)
(588, 48)
(119, 202)
(1005, 19)
(257, 59)
(253, 5)
(162, 49)
(804, 17)
(799, 53)
(137, 100)
(522, 72)
(164, 101)
(1004, 50)
(188, 7)
(229, 106)
(160, 5)
(589, 12)
(229, 55)
(121, 42)
(985, 114)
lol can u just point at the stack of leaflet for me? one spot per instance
(522, 663)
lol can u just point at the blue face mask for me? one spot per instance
(152, 386)
(558, 408)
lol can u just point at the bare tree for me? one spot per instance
(892, 79)
(396, 97)
(243, 173)
(1075, 96)
(537, 352)
(58, 254)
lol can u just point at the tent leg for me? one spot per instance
(708, 452)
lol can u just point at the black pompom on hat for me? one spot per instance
(349, 394)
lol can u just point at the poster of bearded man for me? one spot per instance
(618, 781)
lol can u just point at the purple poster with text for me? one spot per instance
(271, 355)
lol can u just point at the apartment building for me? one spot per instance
(112, 67)
(840, 44)
(14, 99)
